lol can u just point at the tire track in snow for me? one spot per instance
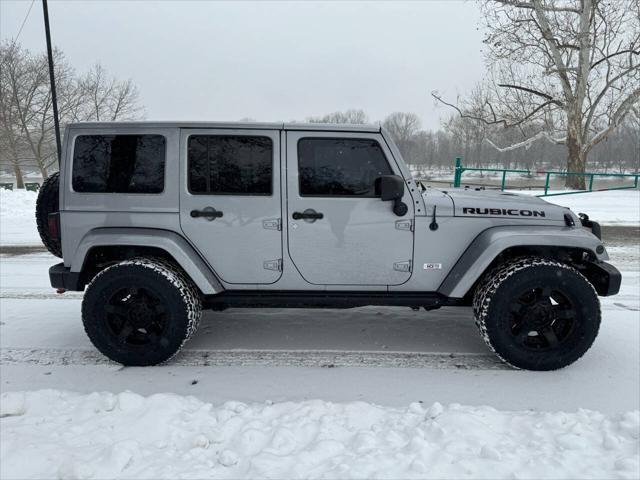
(42, 296)
(267, 358)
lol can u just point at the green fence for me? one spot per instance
(460, 169)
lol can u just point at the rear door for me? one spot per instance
(355, 238)
(230, 201)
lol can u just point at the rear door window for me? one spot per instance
(119, 163)
(340, 166)
(230, 165)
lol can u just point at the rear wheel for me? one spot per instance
(140, 311)
(537, 314)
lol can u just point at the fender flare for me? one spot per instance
(493, 241)
(172, 243)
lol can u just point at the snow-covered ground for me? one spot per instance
(614, 207)
(17, 218)
(364, 393)
(102, 435)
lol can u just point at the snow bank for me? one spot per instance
(65, 435)
(17, 218)
(615, 207)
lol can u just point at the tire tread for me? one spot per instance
(491, 282)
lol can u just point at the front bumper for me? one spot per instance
(604, 277)
(62, 277)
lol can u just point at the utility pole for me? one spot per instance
(52, 79)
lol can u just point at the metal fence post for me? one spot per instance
(504, 179)
(546, 184)
(457, 173)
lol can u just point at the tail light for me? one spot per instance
(54, 225)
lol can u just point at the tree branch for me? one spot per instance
(527, 143)
(629, 103)
(495, 120)
(621, 52)
(533, 92)
(531, 6)
(547, 35)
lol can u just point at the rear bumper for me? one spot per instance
(62, 277)
(604, 277)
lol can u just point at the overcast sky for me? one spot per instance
(270, 61)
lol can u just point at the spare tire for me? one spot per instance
(49, 202)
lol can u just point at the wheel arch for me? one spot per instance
(497, 244)
(103, 246)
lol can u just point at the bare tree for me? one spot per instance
(402, 125)
(403, 128)
(104, 98)
(11, 143)
(26, 121)
(348, 116)
(569, 70)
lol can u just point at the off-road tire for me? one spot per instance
(48, 202)
(494, 312)
(179, 301)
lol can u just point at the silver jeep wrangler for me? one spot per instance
(156, 221)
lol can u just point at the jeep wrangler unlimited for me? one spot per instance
(156, 221)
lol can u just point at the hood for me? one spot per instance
(497, 204)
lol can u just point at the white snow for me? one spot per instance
(614, 207)
(103, 435)
(17, 218)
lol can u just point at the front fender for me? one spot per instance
(172, 243)
(493, 241)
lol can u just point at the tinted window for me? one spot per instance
(340, 166)
(224, 164)
(119, 163)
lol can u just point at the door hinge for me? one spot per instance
(404, 225)
(272, 224)
(275, 265)
(402, 266)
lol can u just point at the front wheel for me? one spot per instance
(537, 314)
(140, 311)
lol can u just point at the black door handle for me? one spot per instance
(307, 215)
(209, 213)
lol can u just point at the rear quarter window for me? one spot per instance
(119, 163)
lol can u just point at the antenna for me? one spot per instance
(52, 79)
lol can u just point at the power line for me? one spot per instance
(24, 21)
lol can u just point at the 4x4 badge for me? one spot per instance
(272, 224)
(404, 225)
(402, 266)
(273, 265)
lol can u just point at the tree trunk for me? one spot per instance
(18, 173)
(576, 162)
(43, 170)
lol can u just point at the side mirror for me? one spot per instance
(391, 188)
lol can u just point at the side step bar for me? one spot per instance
(310, 299)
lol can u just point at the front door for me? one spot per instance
(230, 204)
(339, 231)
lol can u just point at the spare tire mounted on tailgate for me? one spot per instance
(49, 202)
